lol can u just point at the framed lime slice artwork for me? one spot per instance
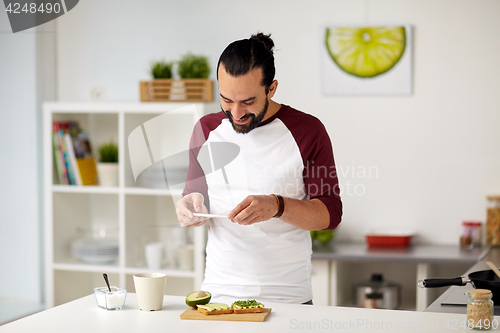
(367, 60)
(366, 52)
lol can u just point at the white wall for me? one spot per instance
(19, 215)
(27, 77)
(435, 152)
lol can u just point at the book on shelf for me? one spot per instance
(72, 159)
(76, 164)
(62, 172)
(60, 129)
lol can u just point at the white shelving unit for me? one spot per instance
(136, 215)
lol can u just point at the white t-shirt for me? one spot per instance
(270, 260)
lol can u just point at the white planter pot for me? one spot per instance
(108, 174)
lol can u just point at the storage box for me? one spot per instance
(183, 90)
(389, 238)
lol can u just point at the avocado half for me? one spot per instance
(199, 297)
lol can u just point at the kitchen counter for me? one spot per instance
(414, 253)
(455, 294)
(423, 257)
(83, 315)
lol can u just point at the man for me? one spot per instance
(281, 184)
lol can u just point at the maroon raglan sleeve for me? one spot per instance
(195, 180)
(320, 174)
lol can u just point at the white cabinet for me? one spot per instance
(134, 215)
(320, 281)
(338, 269)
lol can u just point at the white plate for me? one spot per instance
(91, 248)
(99, 253)
(209, 215)
(98, 259)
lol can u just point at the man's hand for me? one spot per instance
(253, 209)
(189, 204)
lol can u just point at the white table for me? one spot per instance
(83, 315)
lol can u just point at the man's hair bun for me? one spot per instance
(242, 56)
(265, 39)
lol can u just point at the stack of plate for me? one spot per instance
(154, 177)
(95, 251)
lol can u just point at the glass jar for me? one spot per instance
(471, 234)
(479, 309)
(493, 220)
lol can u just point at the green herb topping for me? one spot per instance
(251, 303)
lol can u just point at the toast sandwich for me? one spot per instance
(214, 309)
(248, 306)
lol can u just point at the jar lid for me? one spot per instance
(493, 197)
(480, 292)
(472, 223)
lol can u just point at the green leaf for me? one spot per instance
(108, 153)
(193, 67)
(162, 69)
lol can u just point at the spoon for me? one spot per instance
(494, 268)
(107, 282)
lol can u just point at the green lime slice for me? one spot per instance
(366, 52)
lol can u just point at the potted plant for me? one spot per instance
(193, 71)
(193, 85)
(158, 88)
(193, 67)
(322, 237)
(107, 167)
(161, 69)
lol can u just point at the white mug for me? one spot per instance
(150, 288)
(185, 253)
(154, 255)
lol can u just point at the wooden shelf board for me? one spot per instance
(112, 190)
(169, 272)
(82, 267)
(116, 107)
(84, 189)
(147, 191)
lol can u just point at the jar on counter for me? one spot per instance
(493, 220)
(479, 309)
(471, 234)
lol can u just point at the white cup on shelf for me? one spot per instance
(154, 255)
(185, 255)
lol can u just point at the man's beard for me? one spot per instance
(254, 122)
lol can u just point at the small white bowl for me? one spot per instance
(114, 300)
